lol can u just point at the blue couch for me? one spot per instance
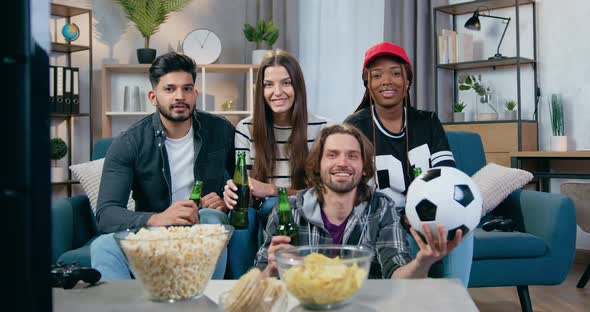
(541, 252)
(74, 225)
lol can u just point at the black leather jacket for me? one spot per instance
(137, 161)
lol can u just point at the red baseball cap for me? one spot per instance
(383, 49)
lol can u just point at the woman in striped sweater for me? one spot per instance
(278, 136)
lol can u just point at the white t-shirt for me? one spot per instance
(181, 159)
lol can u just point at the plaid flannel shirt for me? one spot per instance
(374, 225)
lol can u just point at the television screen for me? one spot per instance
(24, 182)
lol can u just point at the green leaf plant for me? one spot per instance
(148, 15)
(262, 32)
(58, 149)
(459, 107)
(556, 114)
(510, 105)
(472, 82)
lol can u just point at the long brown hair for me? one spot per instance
(312, 168)
(262, 123)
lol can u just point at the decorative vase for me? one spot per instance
(258, 55)
(559, 143)
(510, 115)
(486, 108)
(459, 116)
(146, 56)
(57, 174)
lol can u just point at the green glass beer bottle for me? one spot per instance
(196, 193)
(287, 225)
(417, 171)
(239, 215)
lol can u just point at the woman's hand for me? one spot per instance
(229, 194)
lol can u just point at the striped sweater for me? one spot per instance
(282, 175)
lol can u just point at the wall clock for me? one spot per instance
(203, 45)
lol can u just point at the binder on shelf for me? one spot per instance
(59, 90)
(52, 73)
(75, 91)
(67, 108)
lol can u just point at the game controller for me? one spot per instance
(67, 276)
(500, 224)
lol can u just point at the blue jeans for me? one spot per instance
(263, 214)
(244, 245)
(457, 264)
(109, 260)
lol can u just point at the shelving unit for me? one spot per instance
(111, 71)
(67, 12)
(500, 137)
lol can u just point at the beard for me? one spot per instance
(168, 114)
(340, 187)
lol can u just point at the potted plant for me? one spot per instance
(510, 109)
(558, 139)
(488, 110)
(458, 113)
(148, 15)
(263, 32)
(58, 150)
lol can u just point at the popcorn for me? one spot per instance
(175, 262)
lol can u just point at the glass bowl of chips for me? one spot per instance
(324, 276)
(175, 262)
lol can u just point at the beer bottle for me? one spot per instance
(417, 171)
(239, 215)
(287, 226)
(196, 193)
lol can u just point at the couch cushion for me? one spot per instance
(496, 182)
(80, 255)
(89, 174)
(503, 245)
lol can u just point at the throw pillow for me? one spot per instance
(496, 182)
(89, 175)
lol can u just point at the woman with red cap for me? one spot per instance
(406, 140)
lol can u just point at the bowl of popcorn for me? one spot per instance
(175, 262)
(324, 276)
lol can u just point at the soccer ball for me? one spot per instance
(447, 196)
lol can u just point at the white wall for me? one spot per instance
(562, 52)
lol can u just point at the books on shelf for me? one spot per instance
(454, 47)
(64, 86)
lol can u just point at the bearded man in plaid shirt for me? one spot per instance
(340, 207)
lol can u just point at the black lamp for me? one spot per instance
(474, 24)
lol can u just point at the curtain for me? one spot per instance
(408, 23)
(333, 37)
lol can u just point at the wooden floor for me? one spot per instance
(563, 298)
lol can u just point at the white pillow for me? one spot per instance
(496, 182)
(89, 175)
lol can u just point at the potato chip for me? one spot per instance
(323, 280)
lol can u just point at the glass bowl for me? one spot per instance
(176, 262)
(324, 276)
